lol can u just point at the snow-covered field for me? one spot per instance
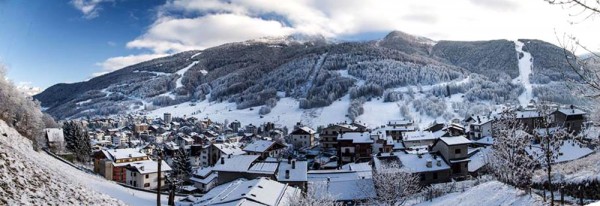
(489, 193)
(28, 177)
(286, 112)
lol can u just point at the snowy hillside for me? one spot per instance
(28, 177)
(286, 81)
(489, 193)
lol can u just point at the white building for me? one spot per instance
(144, 174)
(303, 137)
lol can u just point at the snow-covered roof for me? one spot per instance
(479, 159)
(479, 120)
(237, 163)
(205, 180)
(259, 146)
(229, 148)
(362, 169)
(332, 175)
(115, 154)
(307, 130)
(264, 168)
(345, 190)
(418, 136)
(203, 171)
(297, 174)
(358, 137)
(569, 150)
(400, 122)
(261, 191)
(487, 140)
(571, 111)
(55, 135)
(397, 128)
(458, 140)
(528, 114)
(148, 166)
(419, 164)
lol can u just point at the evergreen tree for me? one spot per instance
(182, 166)
(77, 141)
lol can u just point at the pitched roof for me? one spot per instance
(148, 166)
(569, 112)
(237, 163)
(115, 154)
(358, 137)
(259, 146)
(418, 136)
(297, 174)
(261, 191)
(455, 140)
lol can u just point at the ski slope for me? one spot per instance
(183, 71)
(525, 66)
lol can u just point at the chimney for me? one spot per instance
(287, 174)
(328, 180)
(439, 163)
(222, 160)
(130, 155)
(229, 156)
(142, 168)
(294, 164)
(429, 163)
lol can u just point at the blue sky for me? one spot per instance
(45, 42)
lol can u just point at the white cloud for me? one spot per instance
(28, 89)
(219, 22)
(90, 8)
(115, 63)
(175, 35)
(182, 25)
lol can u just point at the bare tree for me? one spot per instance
(551, 138)
(509, 160)
(393, 184)
(586, 67)
(316, 195)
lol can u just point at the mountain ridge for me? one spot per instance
(259, 73)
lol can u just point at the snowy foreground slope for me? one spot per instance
(28, 177)
(489, 193)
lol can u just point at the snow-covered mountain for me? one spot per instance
(317, 81)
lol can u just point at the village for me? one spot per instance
(238, 161)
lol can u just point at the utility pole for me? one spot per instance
(159, 177)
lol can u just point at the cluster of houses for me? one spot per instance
(238, 164)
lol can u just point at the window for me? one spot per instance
(457, 151)
(134, 183)
(146, 184)
(147, 176)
